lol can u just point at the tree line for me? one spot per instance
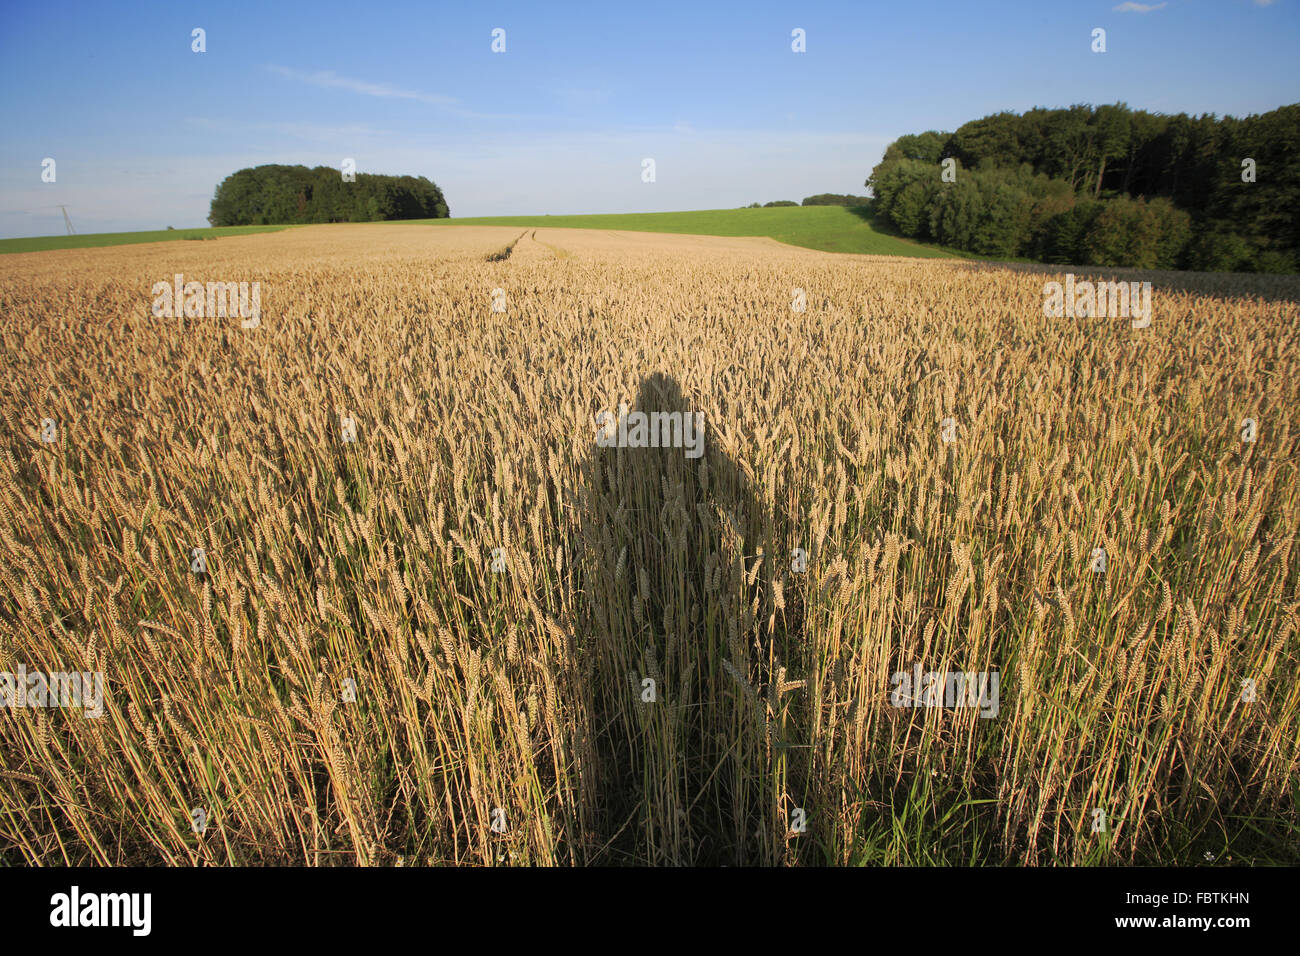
(272, 195)
(1105, 186)
(821, 199)
(836, 199)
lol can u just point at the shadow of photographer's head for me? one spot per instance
(655, 481)
(660, 421)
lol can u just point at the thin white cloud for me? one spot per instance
(1131, 7)
(327, 79)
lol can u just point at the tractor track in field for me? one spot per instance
(557, 251)
(527, 247)
(502, 254)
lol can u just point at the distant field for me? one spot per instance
(44, 243)
(826, 228)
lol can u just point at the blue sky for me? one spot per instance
(142, 128)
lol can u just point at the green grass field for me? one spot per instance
(828, 228)
(44, 243)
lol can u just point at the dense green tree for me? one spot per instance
(836, 199)
(928, 147)
(266, 195)
(955, 212)
(1175, 231)
(1112, 134)
(1029, 185)
(1123, 234)
(888, 182)
(1220, 251)
(994, 137)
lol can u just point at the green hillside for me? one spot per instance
(828, 228)
(43, 243)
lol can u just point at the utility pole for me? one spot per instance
(71, 231)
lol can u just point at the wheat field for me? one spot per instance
(424, 637)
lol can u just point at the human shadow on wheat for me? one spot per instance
(681, 638)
